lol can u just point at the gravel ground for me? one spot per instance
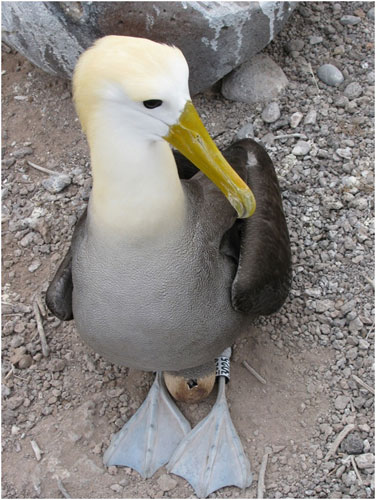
(316, 353)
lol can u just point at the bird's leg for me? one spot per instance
(211, 456)
(149, 438)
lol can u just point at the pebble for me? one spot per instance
(116, 487)
(245, 132)
(350, 20)
(341, 402)
(365, 461)
(22, 152)
(295, 45)
(301, 148)
(34, 265)
(371, 77)
(57, 365)
(330, 75)
(313, 40)
(271, 113)
(363, 344)
(352, 444)
(353, 90)
(355, 325)
(14, 402)
(344, 153)
(27, 239)
(349, 478)
(258, 80)
(8, 162)
(25, 362)
(364, 428)
(166, 482)
(323, 305)
(311, 117)
(56, 183)
(371, 13)
(295, 119)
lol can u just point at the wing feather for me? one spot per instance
(263, 276)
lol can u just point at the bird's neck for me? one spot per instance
(137, 193)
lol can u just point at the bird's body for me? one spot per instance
(161, 275)
(161, 306)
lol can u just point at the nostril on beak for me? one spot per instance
(192, 383)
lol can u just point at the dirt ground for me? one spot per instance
(72, 401)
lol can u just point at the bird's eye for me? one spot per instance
(152, 103)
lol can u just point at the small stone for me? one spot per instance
(34, 265)
(350, 20)
(295, 119)
(258, 80)
(323, 305)
(57, 365)
(349, 478)
(301, 148)
(271, 113)
(22, 152)
(166, 482)
(19, 328)
(311, 117)
(5, 391)
(363, 344)
(365, 461)
(245, 132)
(17, 341)
(341, 402)
(352, 354)
(14, 402)
(116, 487)
(355, 325)
(8, 162)
(339, 51)
(344, 153)
(56, 183)
(371, 13)
(295, 45)
(313, 40)
(20, 358)
(352, 444)
(15, 430)
(364, 428)
(330, 75)
(353, 90)
(27, 239)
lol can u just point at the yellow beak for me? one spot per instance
(192, 139)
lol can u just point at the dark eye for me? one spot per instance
(152, 103)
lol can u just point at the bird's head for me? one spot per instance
(146, 84)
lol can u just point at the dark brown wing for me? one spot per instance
(261, 242)
(59, 293)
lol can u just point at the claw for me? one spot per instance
(211, 456)
(149, 438)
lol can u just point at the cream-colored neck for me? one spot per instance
(137, 193)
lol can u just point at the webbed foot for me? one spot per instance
(211, 456)
(148, 440)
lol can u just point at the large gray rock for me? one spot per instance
(258, 80)
(215, 37)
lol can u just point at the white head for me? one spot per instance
(142, 82)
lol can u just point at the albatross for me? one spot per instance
(177, 252)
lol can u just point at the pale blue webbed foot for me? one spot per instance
(148, 440)
(211, 456)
